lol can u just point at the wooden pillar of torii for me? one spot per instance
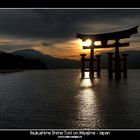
(116, 64)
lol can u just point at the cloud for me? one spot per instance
(63, 24)
(54, 30)
(11, 48)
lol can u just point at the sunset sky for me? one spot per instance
(53, 31)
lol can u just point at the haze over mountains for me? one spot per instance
(54, 63)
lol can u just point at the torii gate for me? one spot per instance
(104, 38)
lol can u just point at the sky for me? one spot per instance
(53, 31)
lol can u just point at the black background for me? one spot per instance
(69, 4)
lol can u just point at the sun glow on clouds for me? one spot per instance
(15, 41)
(70, 49)
(87, 42)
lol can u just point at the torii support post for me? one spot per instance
(110, 66)
(125, 65)
(83, 65)
(91, 63)
(98, 65)
(117, 61)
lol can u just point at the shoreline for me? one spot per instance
(10, 71)
(19, 70)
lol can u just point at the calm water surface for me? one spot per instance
(60, 99)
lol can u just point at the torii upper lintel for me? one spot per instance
(109, 36)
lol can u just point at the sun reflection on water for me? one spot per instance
(85, 83)
(88, 83)
(88, 114)
(86, 74)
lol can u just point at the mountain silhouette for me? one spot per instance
(9, 61)
(51, 62)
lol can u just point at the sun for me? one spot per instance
(87, 42)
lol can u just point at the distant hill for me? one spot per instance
(9, 61)
(51, 62)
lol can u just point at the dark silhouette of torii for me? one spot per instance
(104, 38)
